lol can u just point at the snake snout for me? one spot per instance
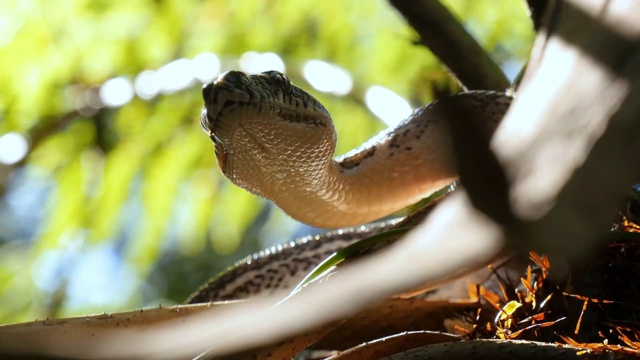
(232, 77)
(207, 90)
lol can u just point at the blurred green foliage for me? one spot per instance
(124, 207)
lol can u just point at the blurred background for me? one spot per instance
(110, 197)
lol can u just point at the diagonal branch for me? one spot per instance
(443, 34)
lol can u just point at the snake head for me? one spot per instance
(260, 124)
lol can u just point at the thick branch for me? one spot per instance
(443, 34)
(574, 161)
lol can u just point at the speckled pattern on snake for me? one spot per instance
(277, 141)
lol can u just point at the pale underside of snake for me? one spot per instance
(277, 141)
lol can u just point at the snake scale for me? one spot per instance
(277, 141)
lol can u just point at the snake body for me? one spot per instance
(280, 267)
(277, 141)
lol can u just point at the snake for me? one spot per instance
(277, 141)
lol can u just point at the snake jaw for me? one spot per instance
(218, 96)
(208, 125)
(221, 155)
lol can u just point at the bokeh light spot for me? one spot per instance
(92, 97)
(253, 62)
(116, 92)
(175, 76)
(327, 77)
(206, 67)
(13, 148)
(387, 105)
(146, 85)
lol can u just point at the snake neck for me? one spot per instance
(394, 169)
(400, 187)
(406, 164)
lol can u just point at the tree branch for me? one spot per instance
(443, 34)
(537, 9)
(573, 162)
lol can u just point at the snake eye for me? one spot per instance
(207, 90)
(233, 77)
(277, 79)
